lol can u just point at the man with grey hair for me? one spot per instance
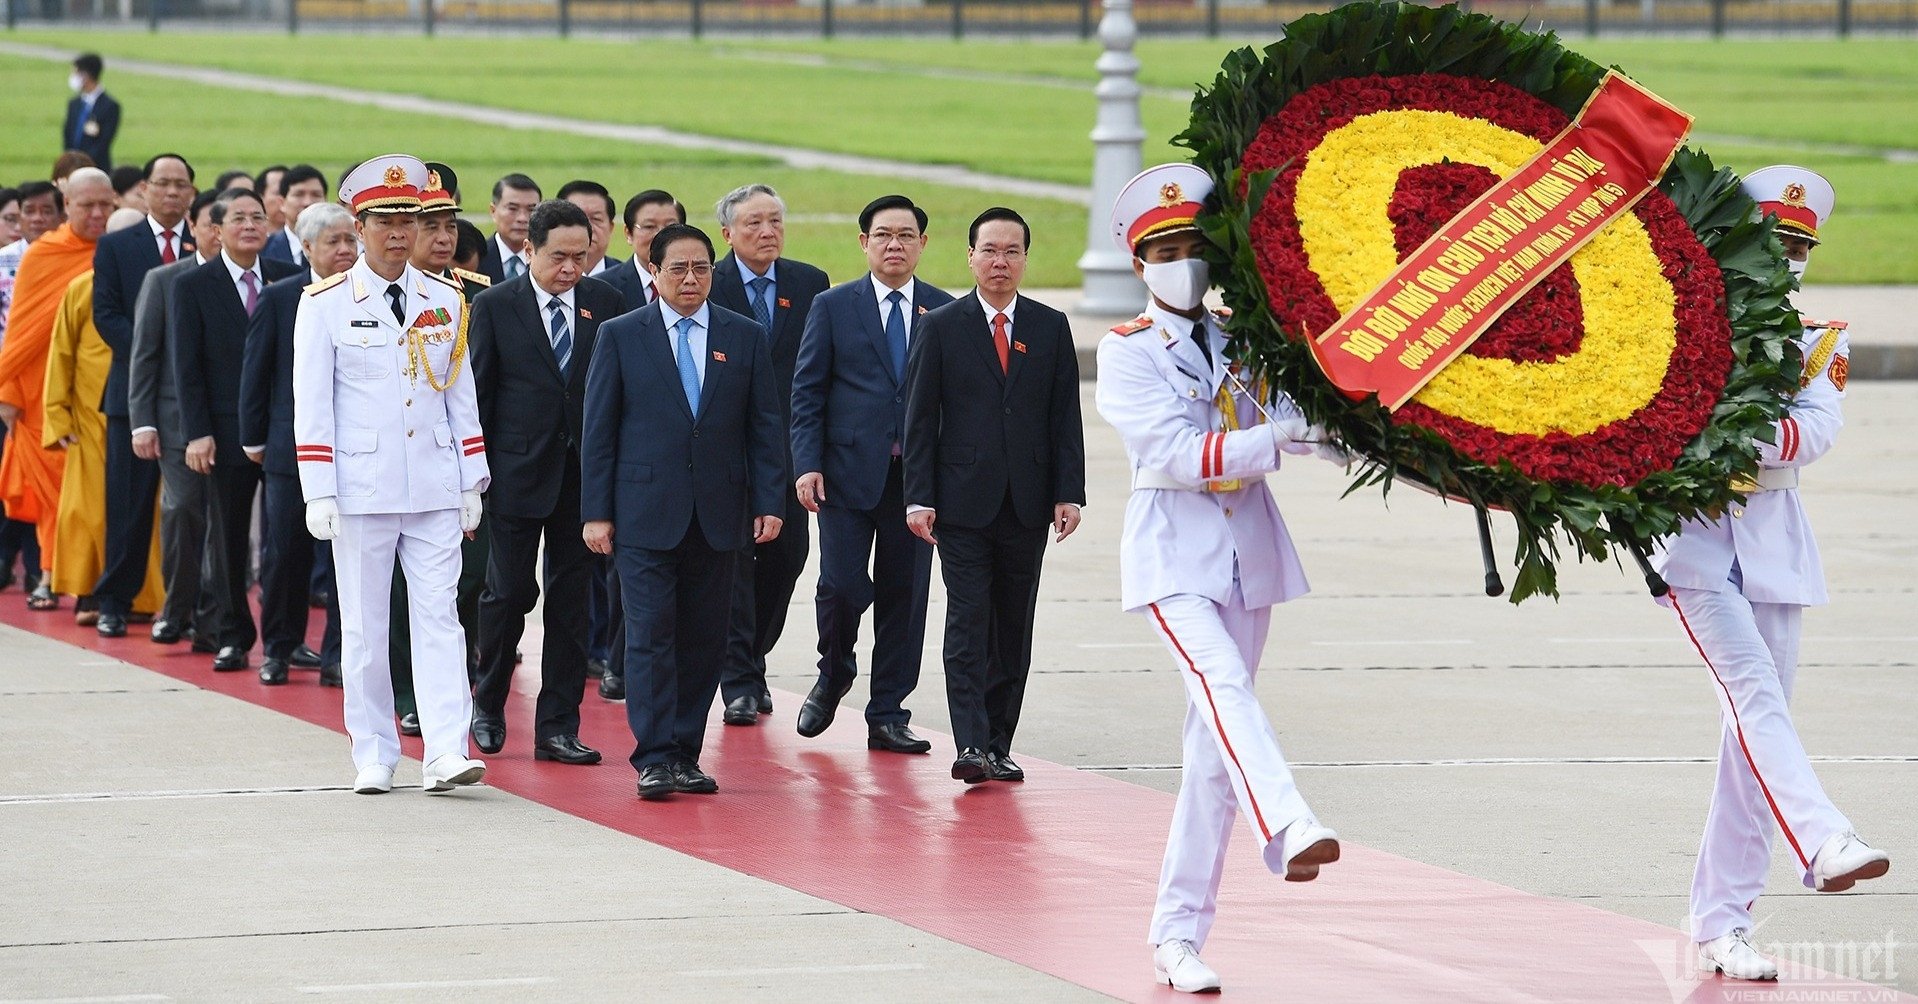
(755, 280)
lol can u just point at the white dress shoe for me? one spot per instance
(375, 779)
(1177, 965)
(1844, 860)
(1307, 845)
(450, 771)
(1734, 956)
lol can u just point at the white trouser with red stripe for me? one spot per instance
(427, 547)
(1763, 773)
(1232, 759)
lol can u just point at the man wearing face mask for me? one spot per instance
(1740, 581)
(1204, 557)
(93, 116)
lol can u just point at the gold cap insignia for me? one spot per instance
(395, 176)
(1171, 194)
(432, 181)
(1794, 195)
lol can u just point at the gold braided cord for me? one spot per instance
(1820, 355)
(416, 353)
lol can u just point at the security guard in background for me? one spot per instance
(392, 464)
(1204, 556)
(1740, 583)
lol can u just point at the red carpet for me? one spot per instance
(1057, 874)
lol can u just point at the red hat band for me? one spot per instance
(1161, 218)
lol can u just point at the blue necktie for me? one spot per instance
(762, 303)
(896, 333)
(80, 125)
(562, 338)
(688, 369)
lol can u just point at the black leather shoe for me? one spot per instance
(742, 711)
(895, 739)
(410, 724)
(111, 626)
(612, 687)
(1000, 767)
(689, 779)
(816, 715)
(166, 632)
(595, 668)
(489, 733)
(765, 702)
(656, 782)
(970, 767)
(565, 749)
(273, 672)
(304, 658)
(230, 657)
(330, 676)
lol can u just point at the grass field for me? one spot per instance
(1011, 108)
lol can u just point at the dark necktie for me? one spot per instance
(896, 332)
(1204, 343)
(397, 297)
(762, 303)
(561, 337)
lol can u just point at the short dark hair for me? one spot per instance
(515, 180)
(552, 214)
(300, 174)
(30, 190)
(572, 188)
(125, 178)
(672, 233)
(146, 171)
(90, 64)
(230, 196)
(651, 197)
(8, 195)
(885, 202)
(201, 201)
(991, 215)
(227, 178)
(259, 180)
(470, 241)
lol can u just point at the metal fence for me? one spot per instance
(954, 18)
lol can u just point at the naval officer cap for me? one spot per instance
(1801, 199)
(1159, 201)
(389, 183)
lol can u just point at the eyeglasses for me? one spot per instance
(1009, 257)
(679, 270)
(170, 183)
(258, 219)
(884, 237)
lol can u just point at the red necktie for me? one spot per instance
(166, 247)
(999, 341)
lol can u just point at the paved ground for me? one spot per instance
(167, 842)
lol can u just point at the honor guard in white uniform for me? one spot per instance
(1204, 556)
(1739, 584)
(392, 463)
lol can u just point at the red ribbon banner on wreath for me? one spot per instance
(1446, 293)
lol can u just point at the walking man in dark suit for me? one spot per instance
(298, 187)
(93, 116)
(121, 262)
(645, 214)
(207, 321)
(683, 464)
(848, 421)
(995, 456)
(514, 197)
(778, 292)
(530, 341)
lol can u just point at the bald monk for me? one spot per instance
(77, 363)
(30, 473)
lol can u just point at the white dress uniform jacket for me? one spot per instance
(1156, 389)
(366, 432)
(1769, 536)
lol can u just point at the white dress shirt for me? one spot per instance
(881, 290)
(239, 282)
(179, 233)
(294, 246)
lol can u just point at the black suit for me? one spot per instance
(152, 403)
(206, 328)
(92, 133)
(533, 413)
(633, 293)
(992, 452)
(266, 419)
(492, 265)
(121, 262)
(767, 572)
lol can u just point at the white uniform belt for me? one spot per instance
(1144, 478)
(1770, 479)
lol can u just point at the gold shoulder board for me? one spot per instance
(325, 284)
(478, 277)
(448, 280)
(1133, 326)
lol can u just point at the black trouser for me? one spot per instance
(895, 590)
(231, 487)
(512, 589)
(286, 573)
(676, 614)
(992, 590)
(131, 486)
(762, 590)
(185, 557)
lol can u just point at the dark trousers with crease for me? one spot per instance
(762, 592)
(992, 592)
(185, 555)
(512, 589)
(132, 484)
(676, 604)
(230, 489)
(895, 591)
(286, 575)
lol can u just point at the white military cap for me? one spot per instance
(389, 183)
(1801, 199)
(1159, 201)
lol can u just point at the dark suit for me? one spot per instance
(266, 419)
(682, 492)
(121, 262)
(767, 572)
(848, 419)
(206, 338)
(492, 265)
(633, 293)
(95, 142)
(533, 412)
(153, 403)
(280, 247)
(993, 452)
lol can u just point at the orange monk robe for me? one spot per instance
(77, 363)
(30, 473)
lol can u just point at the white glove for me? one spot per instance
(1333, 452)
(323, 518)
(1292, 435)
(469, 511)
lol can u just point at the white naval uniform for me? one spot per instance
(1205, 569)
(395, 454)
(1740, 584)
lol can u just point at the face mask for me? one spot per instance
(1180, 284)
(1797, 269)
(74, 82)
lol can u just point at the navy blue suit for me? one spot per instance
(266, 418)
(848, 420)
(121, 262)
(96, 142)
(279, 247)
(681, 491)
(625, 278)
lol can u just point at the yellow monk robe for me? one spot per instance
(30, 473)
(77, 363)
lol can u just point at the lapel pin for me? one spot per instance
(922, 310)
(719, 357)
(784, 303)
(1019, 346)
(587, 314)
